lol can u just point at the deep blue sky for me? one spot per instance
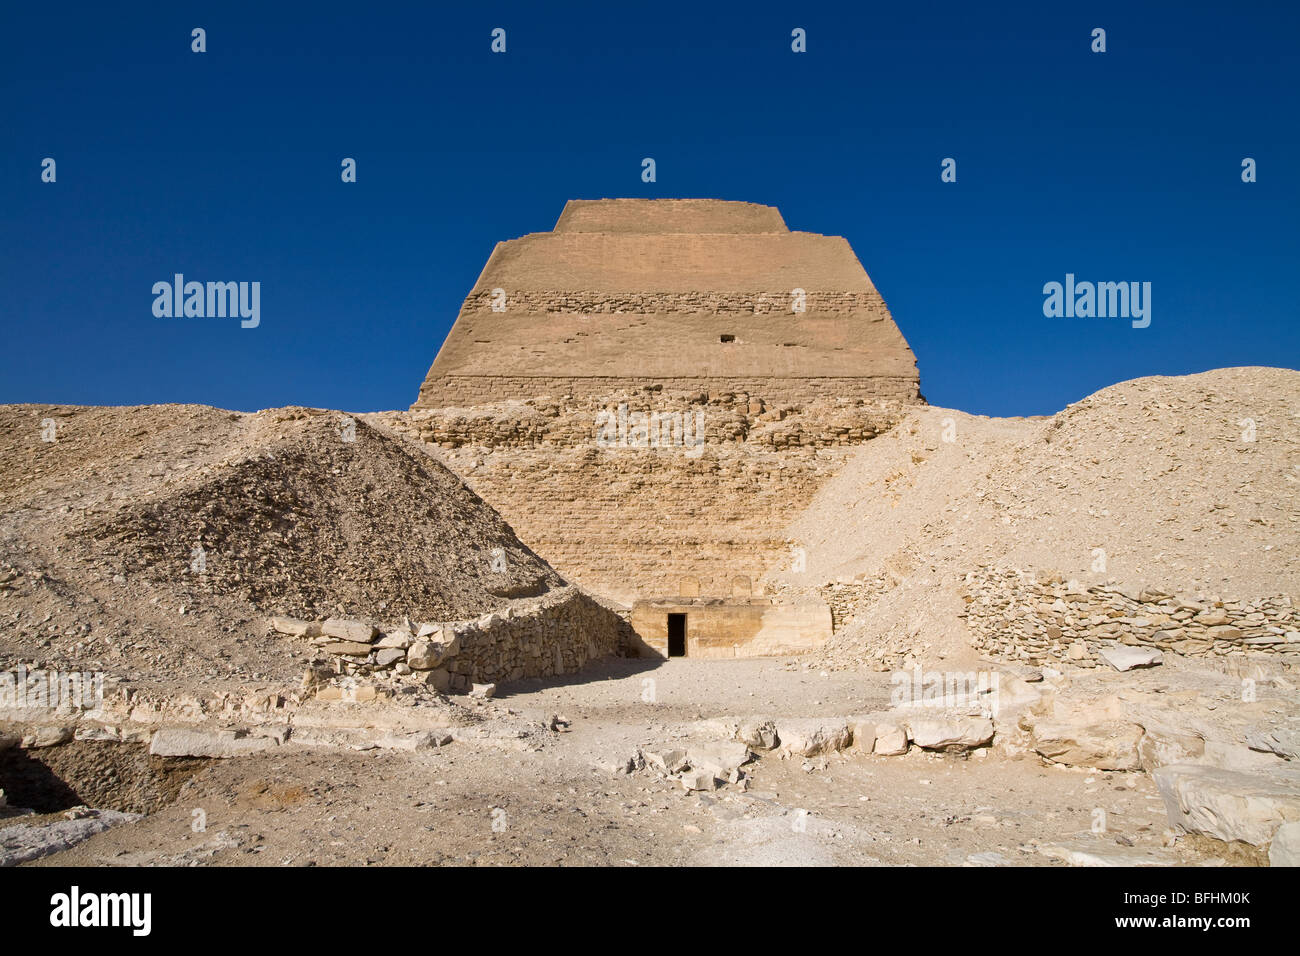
(225, 166)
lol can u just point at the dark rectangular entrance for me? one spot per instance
(676, 635)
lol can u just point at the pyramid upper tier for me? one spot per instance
(685, 292)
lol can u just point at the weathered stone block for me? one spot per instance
(347, 630)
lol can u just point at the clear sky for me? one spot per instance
(225, 166)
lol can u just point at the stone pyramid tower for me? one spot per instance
(684, 293)
(773, 344)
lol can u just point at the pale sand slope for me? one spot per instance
(1155, 472)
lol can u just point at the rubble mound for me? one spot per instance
(304, 521)
(120, 520)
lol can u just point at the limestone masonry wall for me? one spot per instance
(468, 390)
(869, 306)
(684, 308)
(627, 521)
(725, 415)
(714, 628)
(668, 215)
(684, 293)
(557, 634)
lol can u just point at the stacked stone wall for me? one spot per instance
(1015, 615)
(557, 633)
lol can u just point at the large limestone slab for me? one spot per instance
(1101, 854)
(1230, 804)
(1162, 745)
(359, 632)
(810, 736)
(1101, 745)
(758, 733)
(949, 733)
(890, 740)
(1283, 741)
(722, 757)
(187, 742)
(24, 842)
(295, 627)
(1285, 848)
(1125, 658)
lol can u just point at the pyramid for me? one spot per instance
(683, 293)
(774, 344)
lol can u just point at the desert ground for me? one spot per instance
(325, 651)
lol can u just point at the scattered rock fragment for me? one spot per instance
(50, 735)
(891, 740)
(694, 779)
(1125, 658)
(667, 762)
(345, 630)
(949, 733)
(438, 679)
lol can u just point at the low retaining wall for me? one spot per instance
(554, 634)
(1013, 615)
(557, 633)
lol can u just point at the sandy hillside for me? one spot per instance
(99, 530)
(1157, 473)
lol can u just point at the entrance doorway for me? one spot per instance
(676, 635)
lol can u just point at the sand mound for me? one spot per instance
(1184, 484)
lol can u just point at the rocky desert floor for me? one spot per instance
(1119, 577)
(552, 798)
(513, 791)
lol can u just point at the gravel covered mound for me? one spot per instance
(310, 524)
(196, 522)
